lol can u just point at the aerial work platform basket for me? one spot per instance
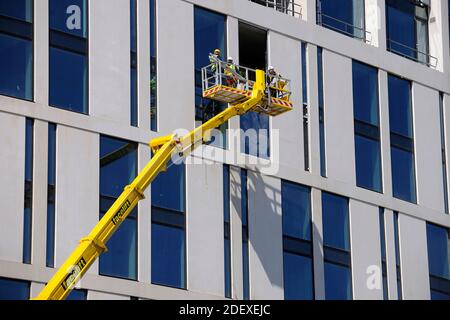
(225, 82)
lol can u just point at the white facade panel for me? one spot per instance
(77, 208)
(365, 251)
(427, 134)
(205, 228)
(413, 258)
(109, 60)
(12, 173)
(265, 236)
(339, 130)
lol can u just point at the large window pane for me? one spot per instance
(335, 221)
(68, 55)
(168, 228)
(168, 256)
(337, 282)
(18, 9)
(438, 251)
(400, 26)
(403, 174)
(345, 16)
(68, 92)
(118, 168)
(14, 290)
(16, 66)
(298, 281)
(169, 187)
(368, 163)
(365, 93)
(77, 294)
(296, 207)
(400, 111)
(210, 33)
(69, 16)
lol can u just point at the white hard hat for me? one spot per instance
(230, 58)
(271, 68)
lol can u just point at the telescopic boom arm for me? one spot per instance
(90, 248)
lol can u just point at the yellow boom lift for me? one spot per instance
(249, 91)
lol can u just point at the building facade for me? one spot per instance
(345, 197)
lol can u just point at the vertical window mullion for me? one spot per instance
(153, 67)
(443, 150)
(227, 231)
(134, 63)
(323, 170)
(245, 235)
(304, 54)
(51, 195)
(28, 201)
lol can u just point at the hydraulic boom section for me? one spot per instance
(90, 248)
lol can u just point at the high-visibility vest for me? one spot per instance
(230, 67)
(213, 60)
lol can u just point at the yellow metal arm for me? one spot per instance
(59, 287)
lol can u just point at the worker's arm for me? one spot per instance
(59, 287)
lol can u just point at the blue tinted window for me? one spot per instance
(323, 169)
(436, 295)
(50, 253)
(304, 73)
(257, 140)
(403, 175)
(64, 16)
(401, 27)
(438, 257)
(365, 93)
(298, 281)
(210, 34)
(16, 65)
(296, 208)
(14, 290)
(118, 168)
(121, 258)
(400, 112)
(227, 230)
(335, 221)
(168, 256)
(68, 92)
(344, 16)
(68, 55)
(245, 244)
(153, 68)
(168, 228)
(246, 270)
(28, 201)
(337, 282)
(368, 163)
(77, 294)
(168, 189)
(18, 9)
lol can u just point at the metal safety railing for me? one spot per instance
(289, 7)
(411, 53)
(221, 73)
(344, 27)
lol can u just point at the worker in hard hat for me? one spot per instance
(230, 73)
(276, 83)
(214, 59)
